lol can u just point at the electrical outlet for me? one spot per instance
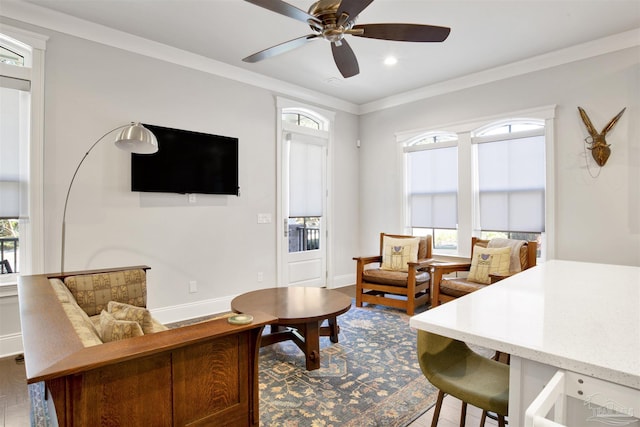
(260, 276)
(192, 198)
(193, 286)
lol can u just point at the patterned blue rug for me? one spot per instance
(370, 378)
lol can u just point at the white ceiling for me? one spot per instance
(485, 34)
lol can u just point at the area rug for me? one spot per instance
(371, 377)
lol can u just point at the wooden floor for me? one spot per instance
(450, 415)
(14, 398)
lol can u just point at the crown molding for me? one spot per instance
(63, 23)
(579, 52)
(46, 18)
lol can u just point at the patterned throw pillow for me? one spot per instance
(397, 252)
(122, 311)
(488, 261)
(93, 292)
(115, 330)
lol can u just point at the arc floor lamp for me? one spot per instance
(133, 138)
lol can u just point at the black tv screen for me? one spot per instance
(187, 162)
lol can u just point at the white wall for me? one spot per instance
(597, 220)
(91, 88)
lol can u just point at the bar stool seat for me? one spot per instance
(455, 369)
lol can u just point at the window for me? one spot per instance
(301, 119)
(432, 188)
(511, 180)
(486, 180)
(21, 106)
(15, 102)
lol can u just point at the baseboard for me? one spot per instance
(344, 280)
(11, 344)
(177, 313)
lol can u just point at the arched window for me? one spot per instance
(432, 138)
(300, 117)
(510, 190)
(485, 178)
(510, 126)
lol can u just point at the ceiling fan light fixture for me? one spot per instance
(332, 20)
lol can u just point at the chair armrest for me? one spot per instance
(421, 263)
(443, 267)
(368, 259)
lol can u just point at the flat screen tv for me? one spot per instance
(187, 162)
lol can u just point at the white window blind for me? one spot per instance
(305, 176)
(512, 184)
(433, 187)
(12, 157)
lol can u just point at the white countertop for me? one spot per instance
(577, 316)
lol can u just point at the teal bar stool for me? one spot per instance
(455, 369)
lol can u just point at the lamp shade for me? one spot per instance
(137, 139)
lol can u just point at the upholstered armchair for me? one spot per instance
(491, 261)
(400, 277)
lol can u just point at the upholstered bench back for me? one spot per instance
(93, 292)
(84, 297)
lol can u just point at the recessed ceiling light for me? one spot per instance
(390, 60)
(333, 81)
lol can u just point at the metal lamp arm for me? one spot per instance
(66, 200)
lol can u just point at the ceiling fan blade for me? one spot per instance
(280, 48)
(285, 9)
(404, 32)
(345, 59)
(352, 8)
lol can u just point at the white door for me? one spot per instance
(303, 219)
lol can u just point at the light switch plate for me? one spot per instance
(264, 218)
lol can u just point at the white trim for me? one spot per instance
(9, 288)
(556, 58)
(35, 238)
(67, 24)
(192, 310)
(11, 344)
(549, 241)
(31, 39)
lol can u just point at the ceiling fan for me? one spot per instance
(332, 20)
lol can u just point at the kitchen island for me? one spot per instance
(581, 320)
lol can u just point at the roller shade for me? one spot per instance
(433, 187)
(512, 185)
(306, 157)
(12, 191)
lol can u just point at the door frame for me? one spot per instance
(327, 118)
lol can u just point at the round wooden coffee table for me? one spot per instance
(300, 312)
